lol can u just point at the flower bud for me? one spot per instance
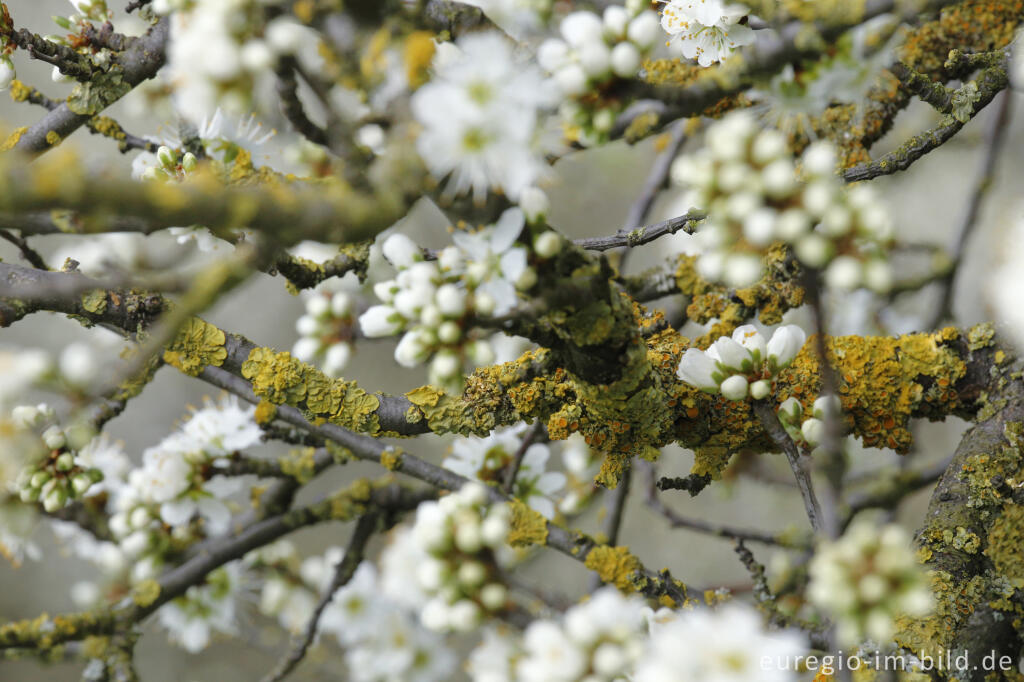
(65, 462)
(54, 438)
(615, 20)
(401, 251)
(813, 431)
(760, 389)
(493, 596)
(80, 483)
(305, 349)
(189, 162)
(450, 300)
(336, 358)
(7, 73)
(445, 365)
(166, 156)
(449, 332)
(644, 30)
(734, 388)
(535, 204)
(547, 244)
(625, 60)
(55, 499)
(380, 320)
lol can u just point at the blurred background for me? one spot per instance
(591, 195)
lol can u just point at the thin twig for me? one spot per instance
(640, 210)
(990, 83)
(643, 235)
(677, 520)
(343, 572)
(986, 175)
(765, 411)
(517, 460)
(27, 252)
(831, 443)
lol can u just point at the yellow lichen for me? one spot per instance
(53, 138)
(95, 301)
(417, 54)
(300, 464)
(13, 138)
(197, 345)
(615, 565)
(265, 412)
(146, 592)
(1005, 540)
(391, 459)
(282, 380)
(527, 527)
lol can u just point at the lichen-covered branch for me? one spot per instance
(141, 61)
(286, 210)
(972, 539)
(360, 498)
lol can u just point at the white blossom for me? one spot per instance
(706, 30)
(867, 579)
(479, 115)
(725, 645)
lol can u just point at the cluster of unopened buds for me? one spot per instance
(326, 330)
(593, 51)
(810, 430)
(434, 303)
(742, 365)
(460, 534)
(866, 580)
(57, 477)
(170, 166)
(746, 179)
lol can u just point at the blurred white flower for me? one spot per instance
(479, 115)
(205, 609)
(725, 645)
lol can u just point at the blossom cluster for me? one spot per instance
(434, 303)
(178, 483)
(480, 117)
(809, 430)
(460, 534)
(743, 364)
(58, 476)
(615, 637)
(205, 609)
(593, 51)
(222, 50)
(489, 460)
(746, 179)
(867, 579)
(166, 164)
(326, 330)
(371, 616)
(706, 30)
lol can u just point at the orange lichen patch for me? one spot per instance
(883, 382)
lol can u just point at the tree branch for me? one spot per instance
(139, 62)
